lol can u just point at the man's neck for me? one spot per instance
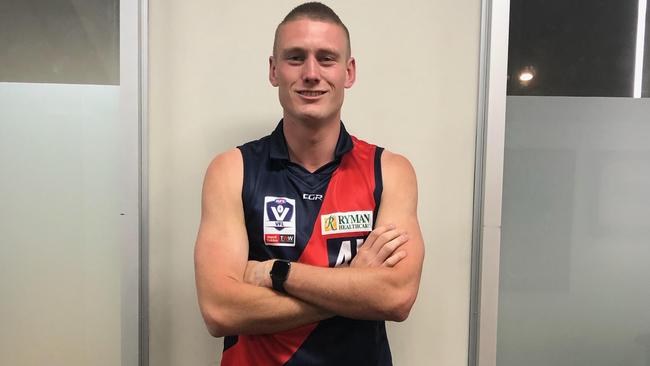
(311, 144)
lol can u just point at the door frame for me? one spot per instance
(488, 182)
(133, 18)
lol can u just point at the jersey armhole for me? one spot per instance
(245, 174)
(379, 186)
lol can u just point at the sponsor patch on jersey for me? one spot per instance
(279, 221)
(346, 222)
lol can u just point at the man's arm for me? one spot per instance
(385, 292)
(229, 305)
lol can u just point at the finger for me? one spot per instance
(368, 243)
(394, 259)
(250, 272)
(383, 239)
(248, 276)
(389, 248)
(250, 265)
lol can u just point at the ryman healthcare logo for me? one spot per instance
(346, 222)
(279, 221)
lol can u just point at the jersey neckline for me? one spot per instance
(279, 150)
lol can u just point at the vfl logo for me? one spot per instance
(279, 221)
(280, 209)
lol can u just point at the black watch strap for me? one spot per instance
(279, 274)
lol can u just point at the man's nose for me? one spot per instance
(311, 70)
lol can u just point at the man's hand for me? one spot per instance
(259, 273)
(381, 248)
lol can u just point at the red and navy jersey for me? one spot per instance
(318, 218)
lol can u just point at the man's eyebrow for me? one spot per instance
(322, 51)
(292, 50)
(327, 51)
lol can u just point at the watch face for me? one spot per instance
(280, 269)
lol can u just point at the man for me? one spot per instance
(309, 238)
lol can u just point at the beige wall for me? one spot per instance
(415, 94)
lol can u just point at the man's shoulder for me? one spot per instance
(227, 161)
(223, 178)
(230, 165)
(393, 159)
(396, 168)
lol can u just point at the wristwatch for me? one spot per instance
(279, 274)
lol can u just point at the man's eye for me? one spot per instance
(295, 58)
(328, 60)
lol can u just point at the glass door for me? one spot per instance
(571, 280)
(69, 192)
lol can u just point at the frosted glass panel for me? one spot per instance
(60, 41)
(61, 226)
(575, 248)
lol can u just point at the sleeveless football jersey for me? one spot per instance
(318, 218)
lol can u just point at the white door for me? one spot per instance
(69, 201)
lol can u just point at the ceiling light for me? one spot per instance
(526, 76)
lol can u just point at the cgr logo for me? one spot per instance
(312, 197)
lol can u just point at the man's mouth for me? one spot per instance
(311, 93)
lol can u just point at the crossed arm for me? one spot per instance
(235, 296)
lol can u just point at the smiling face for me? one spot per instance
(311, 68)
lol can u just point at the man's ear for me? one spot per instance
(272, 76)
(351, 72)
